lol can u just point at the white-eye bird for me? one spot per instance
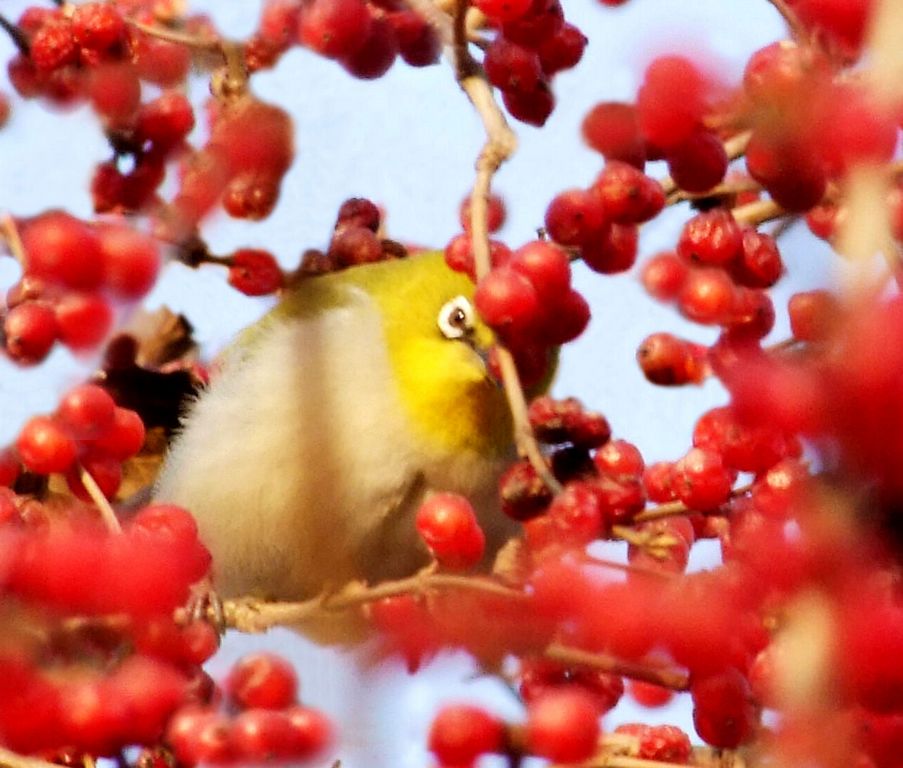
(328, 423)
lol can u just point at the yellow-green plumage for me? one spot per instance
(330, 420)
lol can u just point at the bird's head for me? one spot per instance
(438, 349)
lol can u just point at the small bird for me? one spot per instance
(329, 422)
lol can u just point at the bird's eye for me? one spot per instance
(456, 318)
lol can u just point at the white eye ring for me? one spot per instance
(456, 318)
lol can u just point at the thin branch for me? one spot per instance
(213, 45)
(251, 615)
(797, 30)
(100, 501)
(10, 233)
(499, 146)
(667, 677)
(19, 38)
(758, 212)
(676, 508)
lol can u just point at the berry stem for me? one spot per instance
(100, 501)
(180, 38)
(667, 677)
(758, 212)
(18, 36)
(10, 233)
(501, 143)
(722, 190)
(793, 23)
(676, 508)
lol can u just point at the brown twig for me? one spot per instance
(758, 212)
(797, 30)
(667, 677)
(250, 615)
(19, 38)
(10, 233)
(499, 146)
(214, 45)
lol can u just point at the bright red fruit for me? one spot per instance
(574, 216)
(60, 248)
(671, 101)
(334, 28)
(563, 726)
(255, 272)
(83, 320)
(86, 411)
(262, 680)
(45, 447)
(130, 260)
(506, 299)
(448, 525)
(461, 733)
(723, 710)
(30, 330)
(612, 129)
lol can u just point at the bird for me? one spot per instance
(331, 419)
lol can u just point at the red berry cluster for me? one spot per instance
(601, 479)
(92, 686)
(601, 222)
(87, 433)
(250, 148)
(71, 272)
(533, 44)
(364, 37)
(789, 89)
(264, 722)
(527, 299)
(667, 122)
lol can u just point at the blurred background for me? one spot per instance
(408, 141)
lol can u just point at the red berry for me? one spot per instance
(418, 42)
(665, 743)
(523, 492)
(574, 216)
(30, 331)
(358, 212)
(612, 129)
(131, 261)
(503, 10)
(813, 314)
(114, 92)
(507, 300)
(106, 473)
(649, 694)
(562, 50)
(83, 320)
(707, 296)
(619, 457)
(671, 101)
(251, 196)
(86, 411)
(448, 525)
(563, 726)
(532, 107)
(546, 266)
(670, 361)
(663, 276)
(254, 272)
(461, 733)
(512, 67)
(759, 262)
(713, 238)
(60, 248)
(792, 173)
(9, 467)
(723, 711)
(45, 446)
(628, 195)
(495, 214)
(543, 19)
(334, 28)
(376, 54)
(53, 45)
(262, 680)
(700, 479)
(567, 421)
(698, 163)
(98, 26)
(123, 438)
(165, 121)
(200, 736)
(565, 319)
(355, 245)
(611, 250)
(311, 731)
